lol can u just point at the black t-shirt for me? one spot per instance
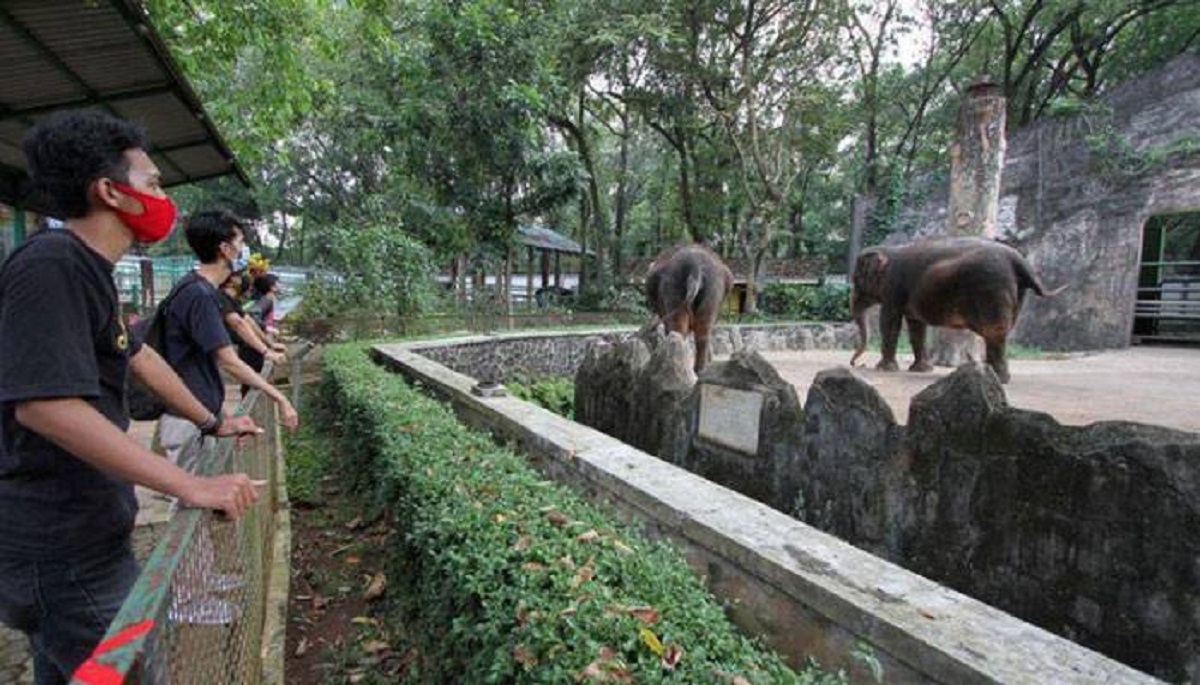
(230, 305)
(195, 330)
(61, 336)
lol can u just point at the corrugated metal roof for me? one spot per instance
(62, 54)
(541, 237)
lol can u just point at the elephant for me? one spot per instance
(970, 283)
(685, 286)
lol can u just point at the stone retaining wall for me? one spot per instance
(803, 592)
(538, 355)
(1087, 532)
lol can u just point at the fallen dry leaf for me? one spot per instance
(622, 547)
(376, 587)
(302, 647)
(585, 573)
(647, 615)
(354, 523)
(652, 641)
(353, 559)
(522, 543)
(524, 657)
(375, 646)
(533, 566)
(588, 536)
(606, 669)
(671, 657)
(557, 518)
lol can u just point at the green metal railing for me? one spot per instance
(167, 631)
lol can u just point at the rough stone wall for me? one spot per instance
(540, 356)
(1078, 216)
(1086, 531)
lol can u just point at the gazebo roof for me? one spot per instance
(62, 54)
(543, 238)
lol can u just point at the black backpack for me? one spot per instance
(143, 404)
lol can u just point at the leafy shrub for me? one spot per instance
(828, 302)
(555, 394)
(505, 577)
(373, 268)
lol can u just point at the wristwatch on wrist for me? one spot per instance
(210, 425)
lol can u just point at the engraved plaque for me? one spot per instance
(729, 417)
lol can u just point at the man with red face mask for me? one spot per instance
(67, 465)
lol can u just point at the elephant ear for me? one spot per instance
(869, 268)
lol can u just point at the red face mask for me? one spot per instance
(156, 219)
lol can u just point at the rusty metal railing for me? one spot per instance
(199, 611)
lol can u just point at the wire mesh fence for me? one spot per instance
(198, 611)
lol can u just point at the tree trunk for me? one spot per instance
(976, 163)
(859, 208)
(621, 200)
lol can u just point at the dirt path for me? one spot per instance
(335, 632)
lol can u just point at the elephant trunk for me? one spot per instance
(860, 319)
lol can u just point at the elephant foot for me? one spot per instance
(888, 365)
(921, 367)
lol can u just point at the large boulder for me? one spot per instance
(851, 479)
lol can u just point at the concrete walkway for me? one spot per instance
(1156, 385)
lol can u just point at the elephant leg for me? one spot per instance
(890, 321)
(916, 336)
(679, 322)
(703, 355)
(997, 342)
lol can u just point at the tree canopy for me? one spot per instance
(627, 124)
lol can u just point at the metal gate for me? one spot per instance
(1168, 299)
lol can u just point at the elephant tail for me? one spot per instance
(1027, 279)
(695, 281)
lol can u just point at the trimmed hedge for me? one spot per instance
(503, 576)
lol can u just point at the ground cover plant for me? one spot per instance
(503, 576)
(554, 393)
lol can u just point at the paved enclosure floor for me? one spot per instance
(1151, 384)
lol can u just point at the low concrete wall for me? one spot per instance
(804, 592)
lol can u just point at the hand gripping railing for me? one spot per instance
(198, 610)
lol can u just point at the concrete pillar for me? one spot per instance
(976, 165)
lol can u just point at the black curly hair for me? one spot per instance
(72, 148)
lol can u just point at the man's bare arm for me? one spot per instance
(78, 428)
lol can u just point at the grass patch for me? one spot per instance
(306, 463)
(501, 576)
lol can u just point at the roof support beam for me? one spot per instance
(90, 101)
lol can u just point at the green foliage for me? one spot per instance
(306, 464)
(613, 298)
(630, 124)
(555, 394)
(502, 576)
(828, 302)
(374, 269)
